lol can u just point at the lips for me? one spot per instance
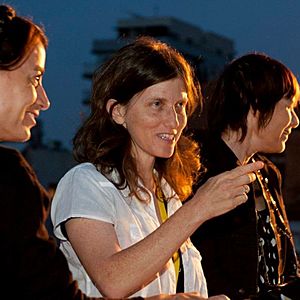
(287, 133)
(30, 117)
(167, 137)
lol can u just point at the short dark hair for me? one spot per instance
(106, 144)
(255, 81)
(18, 36)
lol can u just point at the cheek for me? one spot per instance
(7, 109)
(30, 95)
(284, 122)
(142, 121)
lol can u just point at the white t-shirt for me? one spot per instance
(85, 192)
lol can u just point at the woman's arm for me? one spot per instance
(118, 273)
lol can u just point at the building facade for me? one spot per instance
(206, 51)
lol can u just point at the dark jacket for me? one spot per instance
(229, 243)
(32, 266)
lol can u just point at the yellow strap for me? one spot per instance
(162, 210)
(164, 217)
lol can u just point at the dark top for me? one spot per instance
(268, 259)
(32, 266)
(229, 244)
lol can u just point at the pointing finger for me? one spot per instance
(245, 169)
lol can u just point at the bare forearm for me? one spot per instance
(128, 270)
(120, 272)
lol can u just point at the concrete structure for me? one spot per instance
(206, 51)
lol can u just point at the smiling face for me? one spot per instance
(155, 119)
(273, 137)
(22, 97)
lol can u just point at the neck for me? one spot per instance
(145, 172)
(242, 150)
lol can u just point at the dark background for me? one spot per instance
(271, 26)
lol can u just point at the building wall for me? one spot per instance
(206, 51)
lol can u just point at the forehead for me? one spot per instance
(296, 98)
(173, 89)
(36, 59)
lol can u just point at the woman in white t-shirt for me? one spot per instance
(118, 214)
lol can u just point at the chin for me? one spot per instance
(165, 155)
(169, 154)
(23, 137)
(276, 150)
(282, 149)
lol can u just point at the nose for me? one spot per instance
(172, 118)
(42, 98)
(295, 120)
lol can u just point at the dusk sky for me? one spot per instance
(270, 26)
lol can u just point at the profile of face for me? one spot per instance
(273, 137)
(22, 97)
(154, 119)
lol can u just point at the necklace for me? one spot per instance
(277, 221)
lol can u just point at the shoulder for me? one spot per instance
(83, 184)
(10, 156)
(85, 174)
(15, 166)
(84, 169)
(23, 199)
(83, 192)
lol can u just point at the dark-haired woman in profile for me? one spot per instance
(32, 266)
(119, 211)
(250, 109)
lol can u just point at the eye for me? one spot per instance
(156, 103)
(180, 106)
(37, 80)
(291, 107)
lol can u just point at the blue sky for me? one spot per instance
(271, 26)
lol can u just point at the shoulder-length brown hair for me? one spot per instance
(107, 145)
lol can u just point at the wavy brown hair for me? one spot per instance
(107, 145)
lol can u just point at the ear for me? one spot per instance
(118, 111)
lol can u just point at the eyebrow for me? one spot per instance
(38, 68)
(294, 101)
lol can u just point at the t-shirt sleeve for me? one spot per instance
(83, 193)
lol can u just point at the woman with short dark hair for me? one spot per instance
(250, 109)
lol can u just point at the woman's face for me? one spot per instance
(22, 97)
(155, 119)
(272, 138)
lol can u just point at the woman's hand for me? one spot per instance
(226, 191)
